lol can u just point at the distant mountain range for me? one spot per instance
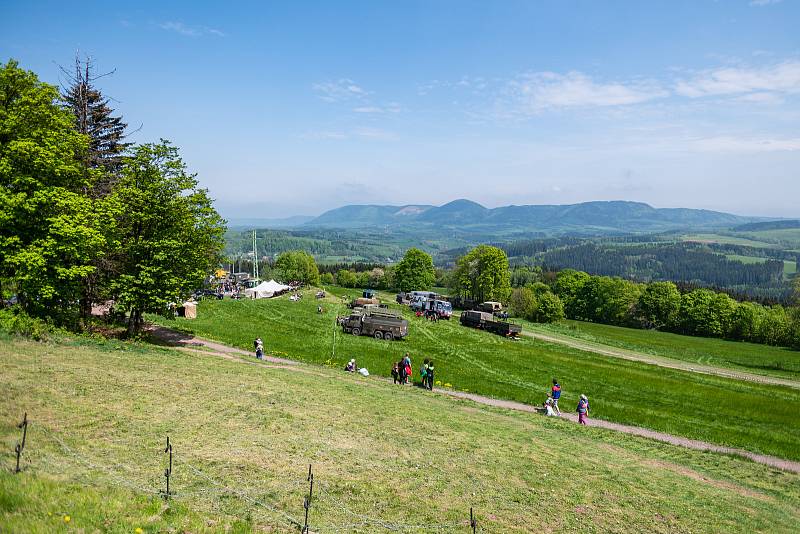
(587, 218)
(288, 222)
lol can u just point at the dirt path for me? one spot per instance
(625, 354)
(189, 343)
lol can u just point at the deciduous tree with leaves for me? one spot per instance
(297, 266)
(482, 274)
(415, 271)
(169, 235)
(49, 230)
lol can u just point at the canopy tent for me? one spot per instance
(265, 290)
(189, 310)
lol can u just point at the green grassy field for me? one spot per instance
(787, 237)
(692, 405)
(726, 239)
(789, 267)
(385, 457)
(750, 357)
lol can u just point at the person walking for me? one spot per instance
(429, 375)
(423, 373)
(408, 369)
(583, 409)
(401, 368)
(555, 392)
(259, 348)
(396, 373)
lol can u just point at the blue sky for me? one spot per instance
(296, 107)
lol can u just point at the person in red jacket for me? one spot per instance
(555, 392)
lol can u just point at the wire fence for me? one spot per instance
(189, 482)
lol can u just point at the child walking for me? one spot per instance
(583, 409)
(429, 375)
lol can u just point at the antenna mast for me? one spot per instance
(255, 257)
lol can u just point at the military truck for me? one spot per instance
(360, 302)
(486, 321)
(379, 323)
(490, 306)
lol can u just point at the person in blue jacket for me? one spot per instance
(555, 392)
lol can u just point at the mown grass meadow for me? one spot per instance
(384, 457)
(728, 412)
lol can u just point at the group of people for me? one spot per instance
(351, 367)
(430, 315)
(551, 404)
(402, 372)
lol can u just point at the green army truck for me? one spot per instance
(375, 322)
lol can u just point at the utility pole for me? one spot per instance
(255, 257)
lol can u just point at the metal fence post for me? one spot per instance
(21, 445)
(168, 470)
(307, 501)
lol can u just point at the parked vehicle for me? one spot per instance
(360, 302)
(379, 323)
(490, 306)
(463, 303)
(486, 321)
(442, 308)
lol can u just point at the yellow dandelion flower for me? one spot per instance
(67, 519)
(138, 530)
(448, 385)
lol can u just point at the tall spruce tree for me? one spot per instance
(103, 159)
(93, 118)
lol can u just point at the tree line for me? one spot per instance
(86, 217)
(484, 274)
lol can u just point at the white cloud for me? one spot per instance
(391, 107)
(779, 78)
(762, 3)
(339, 90)
(189, 31)
(541, 91)
(736, 144)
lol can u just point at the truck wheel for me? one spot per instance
(377, 334)
(388, 336)
(356, 331)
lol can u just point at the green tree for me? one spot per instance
(297, 266)
(659, 304)
(346, 278)
(523, 302)
(550, 308)
(170, 236)
(706, 313)
(483, 275)
(326, 279)
(49, 232)
(415, 271)
(567, 286)
(609, 300)
(94, 119)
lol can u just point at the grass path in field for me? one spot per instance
(756, 417)
(749, 361)
(608, 350)
(188, 343)
(384, 457)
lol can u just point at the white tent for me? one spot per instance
(265, 290)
